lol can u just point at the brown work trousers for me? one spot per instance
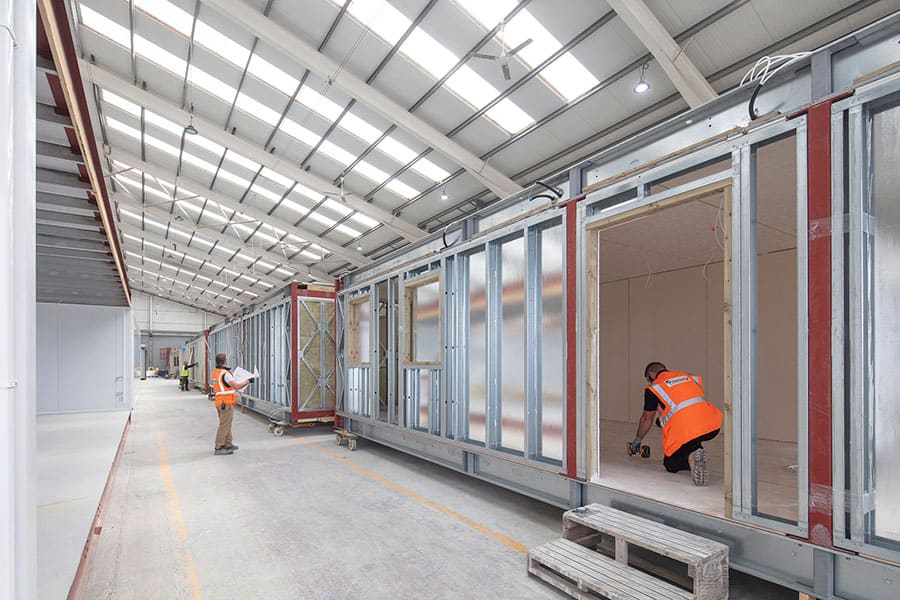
(223, 434)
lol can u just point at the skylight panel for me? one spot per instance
(337, 207)
(382, 18)
(105, 26)
(239, 160)
(365, 221)
(272, 75)
(428, 53)
(168, 14)
(425, 167)
(120, 103)
(317, 102)
(400, 188)
(265, 193)
(221, 44)
(299, 133)
(276, 177)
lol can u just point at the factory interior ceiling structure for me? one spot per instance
(248, 143)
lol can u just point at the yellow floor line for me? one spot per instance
(479, 527)
(180, 529)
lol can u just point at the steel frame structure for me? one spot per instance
(826, 104)
(289, 336)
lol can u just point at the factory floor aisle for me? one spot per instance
(299, 517)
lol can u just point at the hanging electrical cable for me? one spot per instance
(764, 69)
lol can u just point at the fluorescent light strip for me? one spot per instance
(176, 66)
(566, 75)
(435, 59)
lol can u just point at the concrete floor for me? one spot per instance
(74, 454)
(299, 517)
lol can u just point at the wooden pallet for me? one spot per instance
(582, 573)
(706, 560)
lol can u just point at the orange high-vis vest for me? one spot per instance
(224, 394)
(685, 414)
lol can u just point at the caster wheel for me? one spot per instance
(278, 431)
(351, 444)
(270, 427)
(338, 439)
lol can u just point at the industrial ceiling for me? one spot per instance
(248, 143)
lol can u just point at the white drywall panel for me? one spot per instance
(84, 353)
(614, 369)
(666, 322)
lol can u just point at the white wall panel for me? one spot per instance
(158, 315)
(85, 357)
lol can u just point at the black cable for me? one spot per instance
(750, 108)
(547, 196)
(556, 191)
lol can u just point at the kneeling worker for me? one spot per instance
(225, 389)
(677, 402)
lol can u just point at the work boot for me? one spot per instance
(699, 467)
(231, 447)
(223, 450)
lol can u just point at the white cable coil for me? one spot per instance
(767, 66)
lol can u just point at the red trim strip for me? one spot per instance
(295, 371)
(819, 340)
(338, 286)
(571, 346)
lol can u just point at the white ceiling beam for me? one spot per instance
(188, 228)
(294, 47)
(346, 254)
(214, 132)
(671, 57)
(212, 264)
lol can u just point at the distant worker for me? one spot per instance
(677, 402)
(225, 390)
(185, 374)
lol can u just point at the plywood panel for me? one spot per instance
(666, 322)
(614, 368)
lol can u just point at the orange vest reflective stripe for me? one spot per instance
(685, 414)
(224, 394)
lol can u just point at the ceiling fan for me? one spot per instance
(505, 55)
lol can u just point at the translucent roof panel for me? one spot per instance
(430, 55)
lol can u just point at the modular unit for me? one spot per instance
(197, 351)
(289, 337)
(759, 254)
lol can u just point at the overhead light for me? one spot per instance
(444, 195)
(642, 84)
(359, 247)
(190, 129)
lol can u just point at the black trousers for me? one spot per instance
(679, 459)
(184, 384)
